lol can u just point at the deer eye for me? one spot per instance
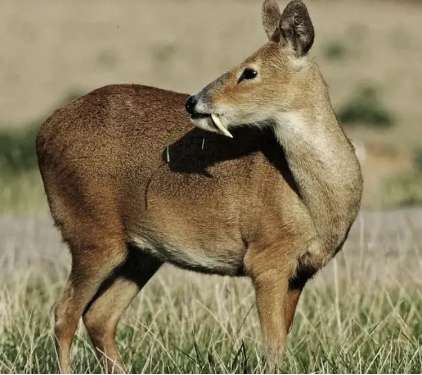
(248, 73)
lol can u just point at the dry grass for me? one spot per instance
(184, 323)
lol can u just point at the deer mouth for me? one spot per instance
(215, 120)
(199, 116)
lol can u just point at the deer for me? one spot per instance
(252, 176)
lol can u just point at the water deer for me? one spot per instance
(265, 184)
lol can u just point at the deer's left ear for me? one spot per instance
(271, 17)
(296, 29)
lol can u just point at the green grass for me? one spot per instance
(366, 108)
(198, 324)
(406, 189)
(402, 191)
(22, 194)
(335, 50)
(17, 147)
(21, 189)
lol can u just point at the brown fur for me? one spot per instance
(132, 185)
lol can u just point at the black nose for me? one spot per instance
(190, 104)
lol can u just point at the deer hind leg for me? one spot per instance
(103, 313)
(91, 265)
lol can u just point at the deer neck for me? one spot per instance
(325, 169)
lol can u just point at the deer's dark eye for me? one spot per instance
(248, 74)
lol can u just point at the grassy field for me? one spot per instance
(209, 325)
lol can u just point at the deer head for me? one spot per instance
(274, 80)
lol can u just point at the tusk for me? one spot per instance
(220, 126)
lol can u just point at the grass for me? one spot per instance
(402, 191)
(406, 189)
(335, 50)
(22, 194)
(366, 108)
(17, 147)
(21, 189)
(198, 324)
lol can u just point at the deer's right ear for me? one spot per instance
(296, 28)
(271, 17)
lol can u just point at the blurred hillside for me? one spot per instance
(369, 51)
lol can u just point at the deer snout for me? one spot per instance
(190, 104)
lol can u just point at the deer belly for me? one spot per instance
(212, 257)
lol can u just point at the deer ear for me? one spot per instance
(297, 31)
(271, 17)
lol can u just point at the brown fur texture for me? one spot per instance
(131, 185)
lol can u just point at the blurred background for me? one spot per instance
(370, 53)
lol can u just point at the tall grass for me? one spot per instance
(184, 323)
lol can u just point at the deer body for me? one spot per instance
(192, 202)
(132, 185)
